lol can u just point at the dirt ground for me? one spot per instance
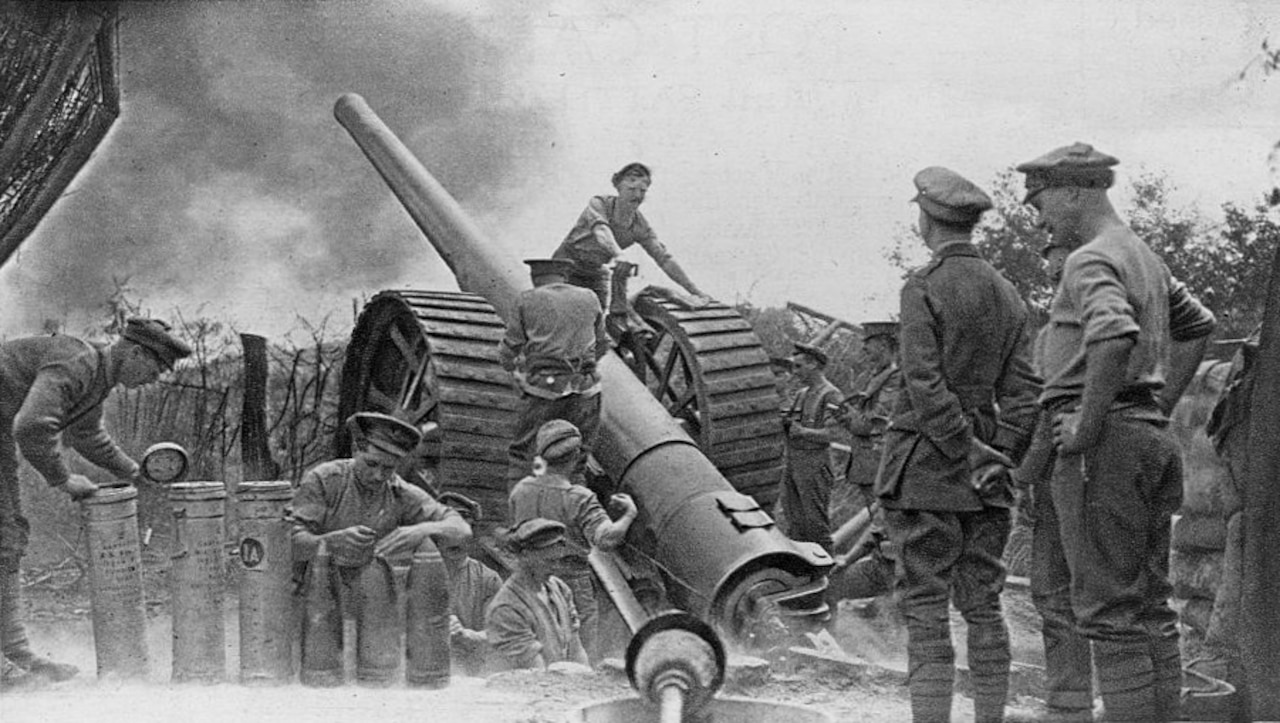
(59, 626)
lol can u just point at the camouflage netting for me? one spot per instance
(59, 94)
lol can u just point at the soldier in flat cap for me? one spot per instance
(610, 225)
(810, 423)
(52, 389)
(366, 517)
(865, 415)
(551, 494)
(554, 338)
(532, 621)
(1124, 340)
(472, 585)
(965, 416)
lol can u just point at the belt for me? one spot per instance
(1127, 398)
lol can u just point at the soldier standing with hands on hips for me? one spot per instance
(965, 417)
(1123, 342)
(52, 389)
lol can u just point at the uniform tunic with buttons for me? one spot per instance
(966, 372)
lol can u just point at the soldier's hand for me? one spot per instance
(1070, 436)
(401, 541)
(624, 502)
(700, 301)
(354, 539)
(455, 626)
(79, 487)
(982, 454)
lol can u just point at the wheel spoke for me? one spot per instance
(664, 378)
(413, 382)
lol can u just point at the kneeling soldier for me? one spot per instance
(353, 519)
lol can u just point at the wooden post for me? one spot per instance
(255, 452)
(1259, 635)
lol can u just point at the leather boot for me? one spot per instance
(13, 636)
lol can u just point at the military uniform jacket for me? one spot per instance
(53, 387)
(966, 372)
(876, 399)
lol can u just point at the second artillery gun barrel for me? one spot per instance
(725, 553)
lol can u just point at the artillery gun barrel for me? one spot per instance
(729, 558)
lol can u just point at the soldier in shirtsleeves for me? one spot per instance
(472, 586)
(365, 514)
(532, 621)
(805, 496)
(965, 416)
(1123, 342)
(550, 494)
(52, 389)
(610, 225)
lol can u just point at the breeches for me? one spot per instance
(806, 496)
(1113, 506)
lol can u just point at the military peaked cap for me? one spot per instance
(153, 335)
(468, 508)
(542, 267)
(1078, 165)
(557, 439)
(812, 352)
(872, 329)
(536, 534)
(384, 432)
(948, 196)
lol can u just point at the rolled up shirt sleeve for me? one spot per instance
(1101, 295)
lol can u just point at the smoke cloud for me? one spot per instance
(226, 187)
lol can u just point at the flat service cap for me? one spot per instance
(153, 335)
(949, 196)
(812, 352)
(384, 432)
(872, 329)
(1078, 165)
(468, 508)
(543, 267)
(557, 439)
(536, 534)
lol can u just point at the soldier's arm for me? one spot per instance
(1110, 333)
(603, 532)
(1016, 394)
(512, 637)
(89, 437)
(39, 421)
(940, 417)
(513, 341)
(1190, 325)
(307, 513)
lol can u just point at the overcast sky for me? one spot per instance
(783, 141)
